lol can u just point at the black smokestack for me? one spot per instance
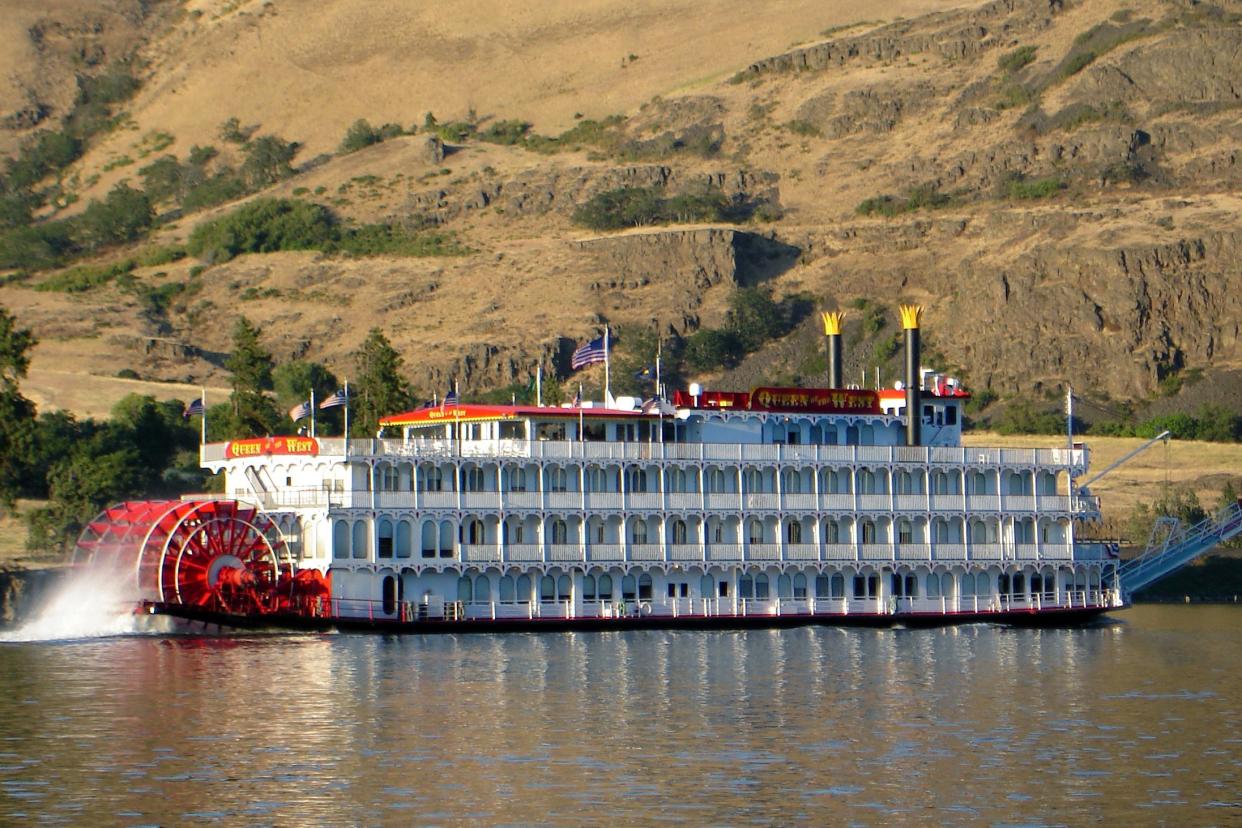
(914, 405)
(832, 330)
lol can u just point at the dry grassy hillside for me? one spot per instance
(1062, 219)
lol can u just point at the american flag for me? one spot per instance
(336, 400)
(193, 408)
(300, 411)
(450, 398)
(589, 353)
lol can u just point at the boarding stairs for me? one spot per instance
(1172, 545)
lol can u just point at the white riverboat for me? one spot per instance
(773, 506)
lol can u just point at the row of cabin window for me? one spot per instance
(758, 586)
(394, 538)
(640, 480)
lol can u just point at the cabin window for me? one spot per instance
(340, 539)
(678, 532)
(385, 538)
(746, 587)
(950, 415)
(429, 540)
(403, 545)
(905, 532)
(594, 432)
(560, 531)
(506, 589)
(472, 480)
(513, 430)
(832, 531)
(799, 586)
(629, 589)
(793, 532)
(588, 587)
(716, 481)
(761, 586)
(472, 531)
(516, 532)
(605, 587)
(547, 588)
(755, 531)
(867, 530)
(823, 586)
(523, 588)
(515, 480)
(360, 539)
(792, 482)
(482, 589)
(722, 589)
(644, 587)
(838, 585)
(754, 481)
(635, 480)
(638, 532)
(784, 586)
(707, 586)
(465, 589)
(431, 480)
(558, 479)
(446, 539)
(550, 431)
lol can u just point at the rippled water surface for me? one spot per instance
(1139, 720)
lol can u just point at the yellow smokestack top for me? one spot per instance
(832, 322)
(910, 315)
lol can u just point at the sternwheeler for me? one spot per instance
(769, 507)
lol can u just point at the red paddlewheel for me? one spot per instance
(216, 554)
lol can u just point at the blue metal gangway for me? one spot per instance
(1173, 545)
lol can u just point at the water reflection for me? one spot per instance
(814, 725)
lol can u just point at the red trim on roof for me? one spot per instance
(487, 413)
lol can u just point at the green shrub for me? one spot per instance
(925, 197)
(84, 278)
(1019, 187)
(37, 247)
(218, 189)
(123, 216)
(709, 349)
(640, 206)
(387, 240)
(505, 132)
(799, 127)
(359, 135)
(160, 255)
(265, 225)
(1011, 62)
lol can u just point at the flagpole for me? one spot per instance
(659, 350)
(581, 434)
(539, 384)
(312, 413)
(202, 425)
(346, 418)
(607, 376)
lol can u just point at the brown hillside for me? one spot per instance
(1121, 272)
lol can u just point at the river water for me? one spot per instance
(1138, 718)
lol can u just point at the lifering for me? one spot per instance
(644, 608)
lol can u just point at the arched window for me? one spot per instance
(754, 530)
(1019, 584)
(822, 586)
(605, 587)
(716, 481)
(558, 479)
(515, 479)
(644, 587)
(465, 589)
(707, 586)
(799, 585)
(905, 531)
(588, 587)
(547, 588)
(933, 585)
(446, 539)
(867, 531)
(629, 588)
(838, 585)
(429, 540)
(793, 532)
(866, 482)
(472, 480)
(431, 479)
(832, 531)
(754, 481)
(340, 539)
(636, 480)
(678, 531)
(967, 585)
(523, 588)
(482, 589)
(792, 482)
(360, 539)
(506, 589)
(746, 586)
(560, 531)
(784, 586)
(761, 586)
(638, 531)
(385, 538)
(404, 545)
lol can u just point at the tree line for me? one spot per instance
(147, 448)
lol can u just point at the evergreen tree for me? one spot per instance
(253, 412)
(294, 381)
(17, 414)
(379, 389)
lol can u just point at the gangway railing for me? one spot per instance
(1169, 551)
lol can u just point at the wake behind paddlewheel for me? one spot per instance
(219, 555)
